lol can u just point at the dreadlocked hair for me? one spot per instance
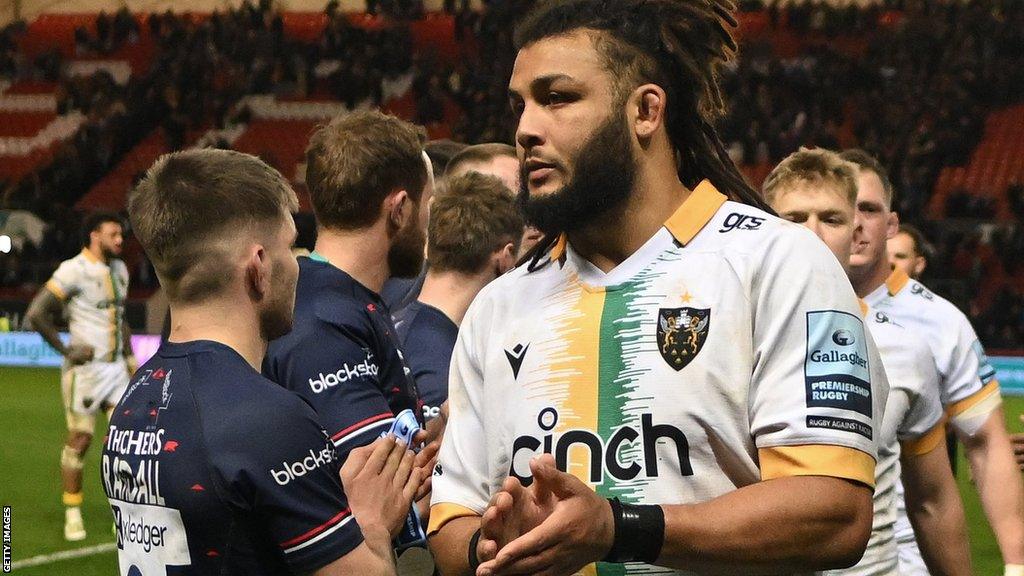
(679, 45)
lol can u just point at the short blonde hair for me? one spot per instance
(816, 165)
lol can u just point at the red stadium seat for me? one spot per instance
(995, 164)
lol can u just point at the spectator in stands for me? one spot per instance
(916, 91)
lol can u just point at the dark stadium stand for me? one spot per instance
(24, 124)
(111, 192)
(926, 86)
(996, 163)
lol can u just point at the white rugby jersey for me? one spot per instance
(913, 422)
(967, 381)
(94, 294)
(729, 349)
(967, 384)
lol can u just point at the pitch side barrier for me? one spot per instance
(29, 350)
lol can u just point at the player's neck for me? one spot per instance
(362, 254)
(220, 321)
(867, 279)
(615, 236)
(452, 292)
(98, 254)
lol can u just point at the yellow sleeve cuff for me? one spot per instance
(817, 460)
(926, 442)
(958, 408)
(56, 290)
(445, 512)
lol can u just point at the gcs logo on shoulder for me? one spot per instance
(919, 290)
(737, 221)
(843, 337)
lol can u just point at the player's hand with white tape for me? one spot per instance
(78, 354)
(380, 482)
(557, 525)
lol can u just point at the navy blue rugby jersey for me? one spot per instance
(343, 357)
(428, 337)
(212, 469)
(398, 293)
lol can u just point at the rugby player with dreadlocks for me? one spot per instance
(677, 379)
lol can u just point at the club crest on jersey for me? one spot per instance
(681, 334)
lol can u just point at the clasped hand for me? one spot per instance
(554, 527)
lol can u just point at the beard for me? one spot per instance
(276, 318)
(276, 322)
(110, 252)
(602, 178)
(405, 258)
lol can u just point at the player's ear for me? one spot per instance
(504, 259)
(892, 225)
(399, 209)
(920, 263)
(257, 272)
(647, 108)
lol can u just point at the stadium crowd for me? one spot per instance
(916, 94)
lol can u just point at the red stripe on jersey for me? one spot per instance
(303, 537)
(359, 425)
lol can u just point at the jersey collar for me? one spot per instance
(90, 256)
(896, 281)
(689, 219)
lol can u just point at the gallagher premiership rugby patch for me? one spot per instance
(836, 372)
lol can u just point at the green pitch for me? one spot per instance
(32, 432)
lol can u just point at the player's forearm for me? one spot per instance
(48, 330)
(126, 332)
(787, 524)
(378, 540)
(936, 512)
(942, 537)
(40, 315)
(450, 546)
(373, 557)
(999, 485)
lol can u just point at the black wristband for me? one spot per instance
(474, 560)
(639, 532)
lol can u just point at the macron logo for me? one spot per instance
(515, 358)
(344, 374)
(302, 467)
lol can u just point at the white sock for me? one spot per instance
(72, 513)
